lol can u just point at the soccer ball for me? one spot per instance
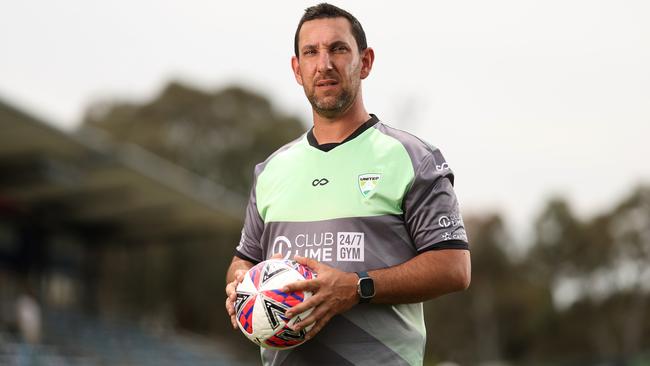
(261, 304)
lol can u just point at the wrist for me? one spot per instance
(352, 280)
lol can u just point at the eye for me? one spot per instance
(309, 52)
(339, 49)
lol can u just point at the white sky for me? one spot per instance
(525, 98)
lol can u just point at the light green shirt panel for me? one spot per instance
(285, 191)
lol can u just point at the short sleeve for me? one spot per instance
(249, 247)
(431, 209)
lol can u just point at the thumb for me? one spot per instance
(309, 262)
(277, 256)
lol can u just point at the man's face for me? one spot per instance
(329, 66)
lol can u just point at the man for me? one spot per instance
(369, 208)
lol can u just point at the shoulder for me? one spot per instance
(283, 150)
(419, 150)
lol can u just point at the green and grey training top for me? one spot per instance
(373, 201)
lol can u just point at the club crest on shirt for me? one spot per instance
(367, 183)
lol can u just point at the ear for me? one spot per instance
(295, 66)
(367, 59)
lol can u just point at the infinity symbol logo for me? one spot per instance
(319, 182)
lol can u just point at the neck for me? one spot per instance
(336, 129)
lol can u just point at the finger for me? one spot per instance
(312, 302)
(319, 312)
(230, 308)
(230, 288)
(306, 285)
(239, 276)
(309, 262)
(231, 311)
(233, 295)
(304, 323)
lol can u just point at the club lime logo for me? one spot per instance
(368, 183)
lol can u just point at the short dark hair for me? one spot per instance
(325, 10)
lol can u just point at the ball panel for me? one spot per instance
(304, 271)
(286, 338)
(247, 285)
(272, 269)
(264, 319)
(255, 273)
(289, 299)
(280, 280)
(245, 312)
(261, 308)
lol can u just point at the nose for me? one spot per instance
(324, 62)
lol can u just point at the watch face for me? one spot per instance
(367, 287)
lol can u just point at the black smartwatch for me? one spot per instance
(365, 287)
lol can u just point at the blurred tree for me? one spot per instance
(607, 262)
(630, 229)
(501, 313)
(566, 247)
(567, 250)
(219, 135)
(490, 272)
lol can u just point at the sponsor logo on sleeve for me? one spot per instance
(456, 235)
(442, 167)
(451, 220)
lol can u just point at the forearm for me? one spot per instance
(237, 264)
(424, 277)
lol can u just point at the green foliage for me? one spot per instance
(513, 310)
(219, 135)
(500, 316)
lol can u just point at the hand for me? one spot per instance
(334, 292)
(231, 290)
(231, 296)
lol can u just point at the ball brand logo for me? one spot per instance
(319, 182)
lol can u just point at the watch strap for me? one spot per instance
(362, 274)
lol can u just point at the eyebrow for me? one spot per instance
(339, 43)
(331, 45)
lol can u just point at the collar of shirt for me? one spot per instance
(330, 145)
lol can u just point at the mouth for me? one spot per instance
(326, 83)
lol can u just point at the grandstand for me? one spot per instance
(64, 197)
(76, 340)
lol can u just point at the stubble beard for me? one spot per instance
(331, 108)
